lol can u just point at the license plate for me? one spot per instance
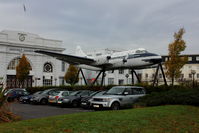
(96, 106)
(31, 99)
(59, 102)
(83, 103)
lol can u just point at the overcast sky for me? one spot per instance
(100, 24)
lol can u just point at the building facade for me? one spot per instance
(190, 71)
(45, 70)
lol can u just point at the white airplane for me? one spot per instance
(131, 59)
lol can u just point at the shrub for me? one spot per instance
(181, 96)
(5, 114)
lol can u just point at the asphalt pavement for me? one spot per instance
(28, 111)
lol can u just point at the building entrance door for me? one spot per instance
(12, 82)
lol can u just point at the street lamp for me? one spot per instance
(127, 75)
(55, 81)
(193, 72)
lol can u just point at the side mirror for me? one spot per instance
(126, 93)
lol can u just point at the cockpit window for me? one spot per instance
(140, 51)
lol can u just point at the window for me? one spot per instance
(110, 71)
(146, 75)
(121, 71)
(129, 90)
(138, 91)
(160, 75)
(121, 81)
(47, 82)
(190, 75)
(197, 58)
(61, 81)
(182, 76)
(129, 80)
(12, 65)
(48, 67)
(166, 58)
(198, 75)
(110, 81)
(129, 71)
(189, 58)
(98, 54)
(63, 66)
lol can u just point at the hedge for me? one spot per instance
(182, 96)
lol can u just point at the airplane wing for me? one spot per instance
(75, 60)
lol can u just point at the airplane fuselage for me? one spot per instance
(127, 59)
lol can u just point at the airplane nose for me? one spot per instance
(155, 60)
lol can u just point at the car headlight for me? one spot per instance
(107, 99)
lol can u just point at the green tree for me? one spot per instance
(23, 69)
(71, 75)
(176, 62)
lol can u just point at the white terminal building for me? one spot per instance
(45, 70)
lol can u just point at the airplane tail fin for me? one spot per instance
(79, 52)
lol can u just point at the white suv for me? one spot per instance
(117, 97)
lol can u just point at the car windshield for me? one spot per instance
(116, 91)
(55, 93)
(26, 93)
(65, 93)
(39, 92)
(99, 93)
(74, 93)
(94, 93)
(46, 91)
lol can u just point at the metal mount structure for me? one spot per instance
(133, 72)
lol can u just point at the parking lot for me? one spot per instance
(28, 111)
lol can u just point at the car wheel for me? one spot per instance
(43, 101)
(75, 104)
(115, 106)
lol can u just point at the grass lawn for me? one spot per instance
(162, 119)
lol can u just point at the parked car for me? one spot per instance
(15, 93)
(74, 98)
(42, 98)
(52, 99)
(118, 97)
(6, 91)
(26, 99)
(85, 101)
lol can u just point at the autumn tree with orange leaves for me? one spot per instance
(71, 75)
(23, 69)
(176, 62)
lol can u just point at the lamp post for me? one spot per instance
(193, 72)
(55, 81)
(127, 75)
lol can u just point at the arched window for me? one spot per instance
(13, 64)
(48, 68)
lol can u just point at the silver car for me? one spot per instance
(117, 97)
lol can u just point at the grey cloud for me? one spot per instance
(95, 24)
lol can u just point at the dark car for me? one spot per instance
(85, 101)
(15, 93)
(74, 98)
(26, 99)
(42, 98)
